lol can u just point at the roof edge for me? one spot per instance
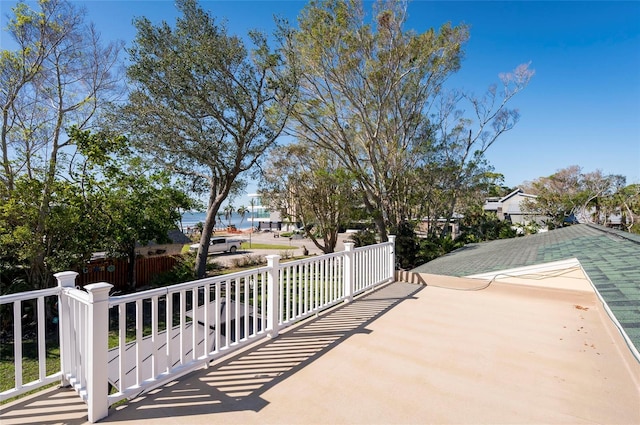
(527, 270)
(631, 237)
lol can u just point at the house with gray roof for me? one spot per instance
(509, 207)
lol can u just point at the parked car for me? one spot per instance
(220, 244)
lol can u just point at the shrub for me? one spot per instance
(183, 271)
(364, 238)
(286, 254)
(248, 261)
(407, 245)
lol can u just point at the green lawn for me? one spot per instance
(253, 245)
(30, 368)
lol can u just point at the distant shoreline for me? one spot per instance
(190, 219)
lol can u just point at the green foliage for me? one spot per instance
(53, 85)
(478, 225)
(591, 197)
(106, 205)
(228, 100)
(412, 251)
(70, 233)
(181, 272)
(407, 245)
(433, 247)
(98, 148)
(364, 238)
(366, 88)
(311, 187)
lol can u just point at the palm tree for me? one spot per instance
(242, 211)
(228, 213)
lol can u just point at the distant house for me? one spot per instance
(453, 225)
(510, 208)
(264, 219)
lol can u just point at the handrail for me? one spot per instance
(29, 295)
(119, 299)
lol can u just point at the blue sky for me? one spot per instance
(581, 108)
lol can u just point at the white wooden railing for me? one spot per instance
(14, 314)
(161, 334)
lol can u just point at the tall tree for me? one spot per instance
(557, 195)
(228, 213)
(203, 105)
(461, 139)
(134, 204)
(591, 197)
(311, 187)
(365, 89)
(371, 92)
(60, 75)
(242, 212)
(628, 200)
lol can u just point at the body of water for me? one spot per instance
(191, 218)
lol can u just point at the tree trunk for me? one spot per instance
(215, 200)
(205, 238)
(131, 271)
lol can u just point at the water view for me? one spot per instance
(192, 218)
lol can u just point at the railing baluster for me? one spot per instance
(207, 321)
(154, 335)
(321, 283)
(262, 291)
(246, 307)
(216, 316)
(183, 324)
(236, 310)
(139, 353)
(227, 313)
(194, 323)
(284, 296)
(42, 345)
(309, 287)
(287, 290)
(301, 290)
(169, 326)
(122, 341)
(76, 341)
(17, 342)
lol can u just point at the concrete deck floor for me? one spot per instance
(406, 353)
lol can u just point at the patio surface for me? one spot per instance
(406, 353)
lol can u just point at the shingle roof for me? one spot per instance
(610, 258)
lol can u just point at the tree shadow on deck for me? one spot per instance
(237, 383)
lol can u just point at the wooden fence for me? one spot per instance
(115, 271)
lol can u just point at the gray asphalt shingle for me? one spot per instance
(610, 258)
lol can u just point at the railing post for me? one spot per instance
(65, 280)
(273, 295)
(98, 338)
(348, 271)
(392, 257)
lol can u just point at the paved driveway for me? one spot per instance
(295, 247)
